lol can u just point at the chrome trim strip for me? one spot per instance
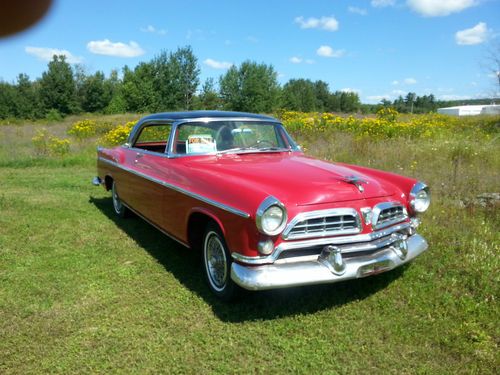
(377, 210)
(311, 272)
(319, 214)
(235, 118)
(294, 245)
(179, 189)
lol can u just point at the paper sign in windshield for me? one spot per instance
(200, 144)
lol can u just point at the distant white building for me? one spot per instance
(471, 110)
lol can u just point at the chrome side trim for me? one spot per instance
(311, 272)
(179, 189)
(377, 210)
(294, 245)
(318, 214)
(243, 118)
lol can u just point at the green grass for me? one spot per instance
(84, 292)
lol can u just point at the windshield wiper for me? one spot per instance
(237, 150)
(274, 149)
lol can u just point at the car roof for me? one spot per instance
(189, 115)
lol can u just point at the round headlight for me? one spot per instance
(271, 217)
(420, 197)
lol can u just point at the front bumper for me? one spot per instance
(317, 271)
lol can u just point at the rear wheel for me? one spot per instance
(118, 206)
(217, 264)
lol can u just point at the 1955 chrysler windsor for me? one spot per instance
(236, 186)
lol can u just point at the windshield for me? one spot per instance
(231, 137)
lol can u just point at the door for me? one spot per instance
(145, 158)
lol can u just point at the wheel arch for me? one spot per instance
(108, 182)
(197, 222)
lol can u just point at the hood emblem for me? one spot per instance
(356, 181)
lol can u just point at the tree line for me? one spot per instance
(170, 82)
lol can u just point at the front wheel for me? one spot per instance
(217, 264)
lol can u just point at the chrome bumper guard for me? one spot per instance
(96, 181)
(329, 267)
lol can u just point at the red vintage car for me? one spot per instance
(264, 215)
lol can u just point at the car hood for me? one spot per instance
(292, 178)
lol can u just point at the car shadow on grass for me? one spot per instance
(185, 265)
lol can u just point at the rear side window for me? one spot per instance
(153, 137)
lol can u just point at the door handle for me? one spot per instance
(138, 156)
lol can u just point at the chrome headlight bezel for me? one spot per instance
(419, 204)
(269, 203)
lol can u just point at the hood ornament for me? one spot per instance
(356, 181)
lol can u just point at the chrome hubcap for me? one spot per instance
(215, 261)
(117, 204)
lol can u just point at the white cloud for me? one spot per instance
(382, 3)
(153, 30)
(406, 81)
(475, 35)
(349, 90)
(454, 97)
(108, 48)
(436, 8)
(197, 33)
(310, 61)
(378, 98)
(324, 23)
(398, 92)
(356, 10)
(46, 54)
(327, 51)
(217, 64)
(295, 60)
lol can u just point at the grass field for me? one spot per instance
(84, 292)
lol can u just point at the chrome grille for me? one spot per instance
(388, 213)
(323, 223)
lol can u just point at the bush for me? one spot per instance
(389, 114)
(40, 142)
(53, 115)
(47, 144)
(118, 135)
(58, 146)
(388, 124)
(83, 129)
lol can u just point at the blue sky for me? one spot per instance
(379, 48)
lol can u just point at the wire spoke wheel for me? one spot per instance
(215, 261)
(118, 206)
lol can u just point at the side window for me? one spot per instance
(153, 137)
